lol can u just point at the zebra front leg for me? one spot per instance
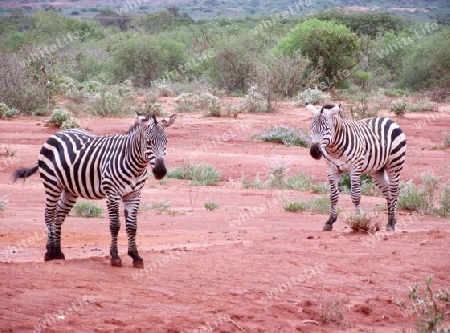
(112, 203)
(131, 205)
(333, 180)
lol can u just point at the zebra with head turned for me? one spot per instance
(374, 146)
(74, 163)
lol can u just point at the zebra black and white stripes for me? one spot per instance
(75, 163)
(374, 146)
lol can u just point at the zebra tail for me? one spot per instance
(25, 173)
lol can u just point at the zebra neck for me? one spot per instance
(135, 150)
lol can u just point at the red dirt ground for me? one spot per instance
(275, 272)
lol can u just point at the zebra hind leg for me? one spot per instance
(131, 204)
(381, 181)
(114, 227)
(65, 204)
(394, 192)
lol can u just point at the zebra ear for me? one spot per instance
(334, 110)
(311, 108)
(166, 122)
(142, 120)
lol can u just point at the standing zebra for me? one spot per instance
(74, 163)
(374, 146)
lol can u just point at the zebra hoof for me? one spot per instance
(138, 263)
(48, 257)
(327, 227)
(390, 228)
(116, 262)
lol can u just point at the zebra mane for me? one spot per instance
(136, 125)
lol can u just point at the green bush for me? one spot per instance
(319, 205)
(427, 64)
(334, 44)
(200, 175)
(399, 108)
(285, 135)
(7, 112)
(59, 117)
(255, 102)
(211, 205)
(87, 209)
(313, 96)
(210, 105)
(144, 59)
(412, 198)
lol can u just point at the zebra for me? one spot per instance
(75, 163)
(375, 146)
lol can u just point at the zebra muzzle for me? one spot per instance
(315, 151)
(159, 170)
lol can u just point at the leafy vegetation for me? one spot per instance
(99, 63)
(200, 175)
(364, 222)
(62, 119)
(211, 205)
(320, 205)
(285, 135)
(427, 307)
(87, 209)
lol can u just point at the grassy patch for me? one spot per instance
(320, 205)
(200, 175)
(423, 106)
(278, 179)
(285, 135)
(211, 205)
(87, 209)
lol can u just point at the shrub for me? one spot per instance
(87, 209)
(70, 123)
(23, 86)
(399, 107)
(360, 107)
(7, 112)
(210, 205)
(255, 101)
(412, 198)
(3, 203)
(59, 117)
(203, 174)
(423, 105)
(428, 307)
(313, 96)
(285, 135)
(444, 209)
(364, 222)
(333, 44)
(144, 59)
(447, 140)
(206, 102)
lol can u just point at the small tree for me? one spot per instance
(330, 42)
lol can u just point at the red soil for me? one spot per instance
(275, 272)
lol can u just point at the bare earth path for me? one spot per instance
(272, 272)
